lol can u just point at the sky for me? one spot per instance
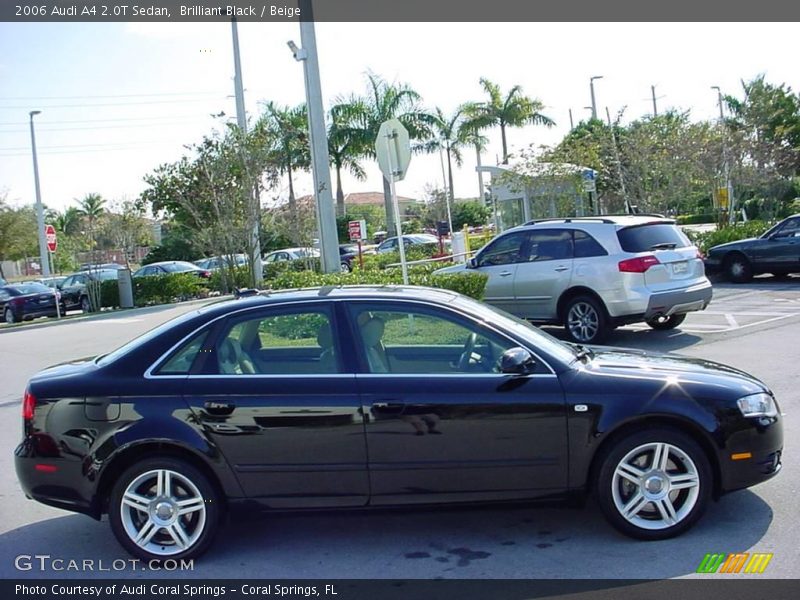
(119, 99)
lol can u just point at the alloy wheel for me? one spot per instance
(9, 317)
(655, 486)
(583, 321)
(163, 512)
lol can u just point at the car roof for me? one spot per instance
(618, 220)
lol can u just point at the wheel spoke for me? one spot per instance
(660, 457)
(634, 505)
(136, 501)
(190, 505)
(164, 485)
(683, 481)
(178, 534)
(667, 511)
(146, 533)
(629, 472)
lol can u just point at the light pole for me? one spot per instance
(241, 117)
(725, 164)
(44, 258)
(591, 89)
(326, 215)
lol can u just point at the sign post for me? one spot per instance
(52, 245)
(357, 231)
(393, 149)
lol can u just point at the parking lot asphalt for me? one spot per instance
(755, 327)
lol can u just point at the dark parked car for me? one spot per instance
(93, 267)
(25, 301)
(777, 251)
(52, 282)
(74, 294)
(170, 267)
(412, 239)
(348, 253)
(356, 397)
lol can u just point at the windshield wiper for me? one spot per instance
(664, 246)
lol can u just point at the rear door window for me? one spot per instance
(657, 236)
(586, 246)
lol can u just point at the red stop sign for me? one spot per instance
(50, 236)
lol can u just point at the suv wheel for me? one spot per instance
(738, 268)
(164, 508)
(585, 320)
(86, 305)
(664, 323)
(654, 484)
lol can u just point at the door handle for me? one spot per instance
(505, 273)
(559, 269)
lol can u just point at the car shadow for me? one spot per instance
(489, 542)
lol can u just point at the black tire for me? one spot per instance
(207, 492)
(665, 323)
(737, 268)
(345, 267)
(688, 504)
(8, 316)
(585, 320)
(86, 305)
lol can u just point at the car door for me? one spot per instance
(72, 290)
(543, 273)
(274, 396)
(441, 422)
(780, 252)
(499, 261)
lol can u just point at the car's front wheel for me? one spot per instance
(664, 323)
(654, 484)
(164, 508)
(86, 305)
(738, 269)
(585, 320)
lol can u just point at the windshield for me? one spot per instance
(642, 238)
(537, 338)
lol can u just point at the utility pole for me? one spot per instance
(655, 107)
(725, 162)
(44, 254)
(320, 161)
(241, 118)
(571, 124)
(591, 90)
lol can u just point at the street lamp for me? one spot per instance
(591, 89)
(44, 258)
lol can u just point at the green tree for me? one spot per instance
(17, 232)
(512, 110)
(451, 134)
(91, 207)
(345, 145)
(470, 213)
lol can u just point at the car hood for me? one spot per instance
(672, 367)
(454, 269)
(733, 245)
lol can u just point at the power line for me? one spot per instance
(111, 96)
(90, 128)
(47, 106)
(106, 145)
(102, 120)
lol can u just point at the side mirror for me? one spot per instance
(472, 263)
(517, 361)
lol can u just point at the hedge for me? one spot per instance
(697, 219)
(731, 233)
(469, 284)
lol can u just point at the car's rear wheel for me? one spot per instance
(738, 268)
(585, 320)
(9, 317)
(345, 267)
(654, 484)
(664, 323)
(164, 508)
(86, 305)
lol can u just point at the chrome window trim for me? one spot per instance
(148, 374)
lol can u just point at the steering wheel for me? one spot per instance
(466, 355)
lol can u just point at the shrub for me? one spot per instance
(469, 284)
(238, 277)
(696, 219)
(731, 233)
(160, 289)
(109, 293)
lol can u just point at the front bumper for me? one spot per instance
(678, 302)
(763, 440)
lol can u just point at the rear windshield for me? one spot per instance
(29, 288)
(658, 236)
(178, 267)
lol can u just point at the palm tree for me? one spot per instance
(453, 133)
(513, 110)
(91, 208)
(289, 129)
(384, 101)
(69, 221)
(346, 144)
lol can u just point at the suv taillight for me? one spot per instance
(28, 404)
(640, 264)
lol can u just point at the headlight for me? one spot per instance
(758, 405)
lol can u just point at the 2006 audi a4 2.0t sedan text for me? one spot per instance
(380, 396)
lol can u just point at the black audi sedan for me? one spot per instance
(382, 396)
(25, 301)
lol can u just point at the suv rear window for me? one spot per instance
(641, 238)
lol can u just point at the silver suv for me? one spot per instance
(592, 274)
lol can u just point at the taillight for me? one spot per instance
(17, 301)
(205, 274)
(640, 264)
(28, 404)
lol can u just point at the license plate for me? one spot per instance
(679, 268)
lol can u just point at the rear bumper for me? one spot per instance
(678, 302)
